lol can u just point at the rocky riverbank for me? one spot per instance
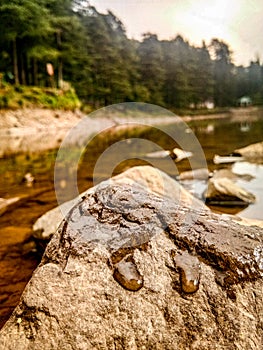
(34, 130)
(38, 129)
(136, 267)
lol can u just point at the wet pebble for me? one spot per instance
(127, 274)
(190, 272)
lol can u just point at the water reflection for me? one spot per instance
(255, 186)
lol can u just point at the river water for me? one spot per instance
(18, 257)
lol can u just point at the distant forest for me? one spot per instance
(91, 51)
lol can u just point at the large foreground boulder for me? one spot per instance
(129, 269)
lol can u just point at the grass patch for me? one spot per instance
(15, 97)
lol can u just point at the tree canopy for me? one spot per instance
(92, 52)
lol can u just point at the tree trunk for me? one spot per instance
(60, 74)
(15, 63)
(35, 80)
(60, 64)
(23, 73)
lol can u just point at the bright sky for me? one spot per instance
(237, 22)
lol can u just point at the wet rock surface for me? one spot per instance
(189, 267)
(127, 274)
(149, 178)
(132, 270)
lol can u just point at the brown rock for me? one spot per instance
(196, 174)
(149, 178)
(228, 173)
(223, 191)
(74, 302)
(8, 204)
(253, 152)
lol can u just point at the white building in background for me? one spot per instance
(244, 101)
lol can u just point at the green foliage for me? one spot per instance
(14, 97)
(4, 102)
(92, 52)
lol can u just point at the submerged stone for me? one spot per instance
(190, 273)
(127, 274)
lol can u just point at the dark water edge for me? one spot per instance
(18, 256)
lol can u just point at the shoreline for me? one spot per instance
(38, 130)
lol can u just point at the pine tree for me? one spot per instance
(223, 73)
(151, 67)
(24, 24)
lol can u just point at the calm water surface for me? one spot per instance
(219, 136)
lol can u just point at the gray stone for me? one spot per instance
(196, 174)
(227, 159)
(229, 174)
(8, 204)
(223, 191)
(177, 154)
(253, 152)
(74, 300)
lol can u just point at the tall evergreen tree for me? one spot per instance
(23, 25)
(151, 67)
(204, 83)
(223, 73)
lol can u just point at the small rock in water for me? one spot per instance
(28, 179)
(253, 152)
(196, 174)
(189, 267)
(127, 275)
(223, 191)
